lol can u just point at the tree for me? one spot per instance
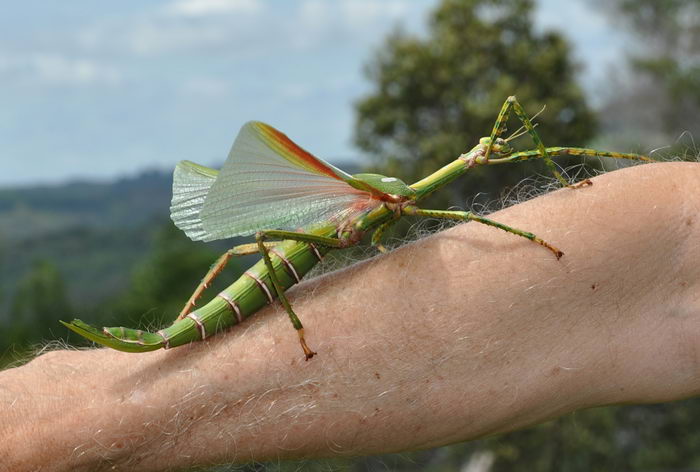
(434, 97)
(38, 303)
(660, 98)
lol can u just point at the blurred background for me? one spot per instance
(100, 100)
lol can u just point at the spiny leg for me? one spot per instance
(294, 236)
(500, 126)
(469, 216)
(215, 270)
(378, 233)
(569, 151)
(260, 236)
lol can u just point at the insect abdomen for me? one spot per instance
(253, 290)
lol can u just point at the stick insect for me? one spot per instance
(299, 208)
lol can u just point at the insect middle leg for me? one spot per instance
(499, 127)
(469, 216)
(265, 251)
(215, 270)
(378, 233)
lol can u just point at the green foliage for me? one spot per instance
(39, 302)
(434, 97)
(95, 263)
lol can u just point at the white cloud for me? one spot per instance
(295, 91)
(194, 8)
(293, 63)
(184, 26)
(321, 23)
(206, 88)
(350, 16)
(58, 69)
(315, 12)
(361, 14)
(155, 36)
(255, 26)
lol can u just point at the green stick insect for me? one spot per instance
(299, 208)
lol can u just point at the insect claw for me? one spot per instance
(583, 183)
(308, 353)
(557, 252)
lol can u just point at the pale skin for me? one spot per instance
(466, 333)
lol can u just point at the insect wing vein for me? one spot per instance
(268, 182)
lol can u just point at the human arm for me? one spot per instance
(466, 333)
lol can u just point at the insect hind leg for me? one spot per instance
(215, 270)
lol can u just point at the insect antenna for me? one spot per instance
(522, 130)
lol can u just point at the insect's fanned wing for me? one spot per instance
(191, 184)
(268, 182)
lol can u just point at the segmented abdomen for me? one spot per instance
(291, 260)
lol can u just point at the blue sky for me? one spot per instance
(104, 89)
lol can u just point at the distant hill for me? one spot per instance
(93, 232)
(31, 212)
(36, 211)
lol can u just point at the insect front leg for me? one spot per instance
(572, 151)
(215, 270)
(469, 216)
(499, 127)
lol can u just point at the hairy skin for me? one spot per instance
(463, 334)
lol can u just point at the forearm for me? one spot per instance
(470, 332)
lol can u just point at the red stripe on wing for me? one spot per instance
(308, 159)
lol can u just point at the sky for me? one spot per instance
(100, 90)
